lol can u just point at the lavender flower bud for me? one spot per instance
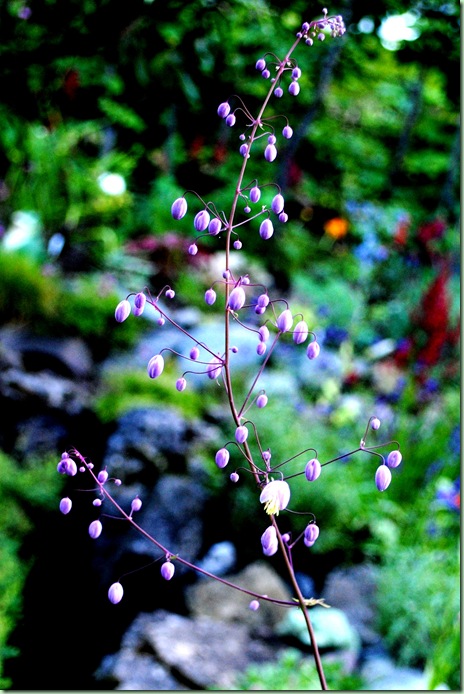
(222, 457)
(263, 333)
(230, 120)
(269, 541)
(272, 139)
(115, 593)
(247, 209)
(161, 321)
(263, 300)
(102, 476)
(65, 505)
(277, 204)
(241, 434)
(97, 502)
(285, 321)
(375, 423)
(261, 348)
(179, 208)
(304, 27)
(300, 333)
(294, 88)
(223, 109)
(194, 353)
(283, 217)
(260, 64)
(321, 37)
(139, 301)
(266, 455)
(122, 311)
(313, 350)
(243, 150)
(201, 220)
(311, 534)
(234, 477)
(278, 92)
(275, 496)
(95, 529)
(210, 296)
(237, 245)
(287, 132)
(214, 226)
(312, 469)
(214, 368)
(193, 249)
(167, 570)
(181, 384)
(261, 400)
(136, 504)
(266, 74)
(394, 459)
(71, 469)
(155, 366)
(270, 152)
(237, 299)
(266, 228)
(255, 194)
(254, 605)
(296, 73)
(382, 477)
(170, 293)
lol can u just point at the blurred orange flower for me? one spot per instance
(337, 227)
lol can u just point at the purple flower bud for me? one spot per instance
(278, 92)
(255, 194)
(237, 299)
(266, 228)
(285, 321)
(170, 293)
(321, 37)
(263, 333)
(234, 477)
(247, 209)
(304, 27)
(309, 42)
(167, 570)
(272, 139)
(270, 152)
(243, 150)
(97, 502)
(277, 204)
(102, 476)
(294, 88)
(261, 400)
(214, 368)
(313, 350)
(269, 541)
(266, 455)
(193, 249)
(311, 534)
(287, 132)
(214, 226)
(230, 120)
(237, 245)
(62, 466)
(394, 459)
(375, 423)
(122, 311)
(201, 220)
(71, 469)
(300, 333)
(136, 504)
(181, 384)
(222, 457)
(139, 301)
(161, 321)
(312, 469)
(241, 434)
(155, 366)
(296, 73)
(65, 505)
(194, 353)
(95, 529)
(223, 109)
(263, 300)
(115, 593)
(261, 348)
(382, 477)
(275, 496)
(179, 208)
(254, 605)
(266, 74)
(260, 64)
(210, 296)
(283, 217)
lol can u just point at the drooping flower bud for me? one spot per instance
(287, 132)
(214, 368)
(234, 477)
(122, 311)
(210, 296)
(270, 153)
(269, 541)
(255, 194)
(95, 529)
(383, 477)
(223, 109)
(283, 217)
(167, 570)
(266, 74)
(193, 249)
(261, 349)
(181, 384)
(170, 293)
(394, 458)
(237, 299)
(136, 504)
(277, 204)
(194, 353)
(278, 92)
(313, 350)
(243, 150)
(115, 593)
(241, 434)
(311, 534)
(285, 321)
(222, 457)
(312, 469)
(301, 332)
(155, 366)
(102, 476)
(294, 88)
(230, 120)
(65, 505)
(266, 229)
(139, 301)
(201, 220)
(263, 333)
(260, 64)
(296, 73)
(375, 423)
(261, 400)
(237, 244)
(215, 226)
(179, 208)
(254, 605)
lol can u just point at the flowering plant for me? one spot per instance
(271, 320)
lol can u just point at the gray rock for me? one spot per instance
(381, 674)
(219, 559)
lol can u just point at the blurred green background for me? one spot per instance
(108, 114)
